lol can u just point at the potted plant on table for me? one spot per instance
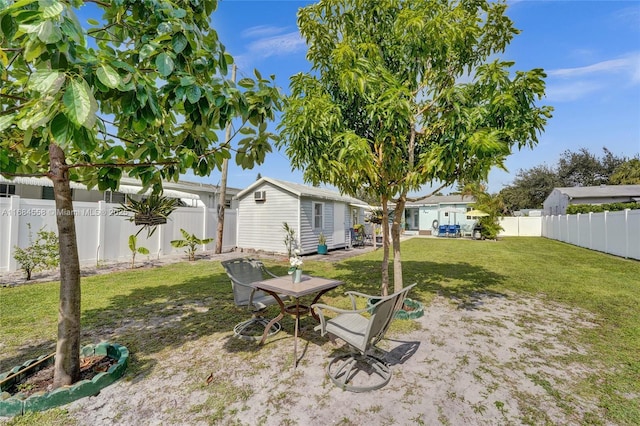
(322, 244)
(295, 270)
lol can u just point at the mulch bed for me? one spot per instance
(42, 381)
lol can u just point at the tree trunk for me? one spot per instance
(67, 359)
(395, 237)
(223, 184)
(385, 246)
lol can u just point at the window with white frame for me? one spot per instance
(318, 215)
(7, 190)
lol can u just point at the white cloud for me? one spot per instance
(262, 31)
(571, 91)
(279, 45)
(570, 84)
(629, 64)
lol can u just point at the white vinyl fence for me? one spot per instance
(616, 233)
(103, 236)
(522, 226)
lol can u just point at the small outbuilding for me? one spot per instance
(426, 214)
(267, 204)
(561, 198)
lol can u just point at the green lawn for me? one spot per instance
(606, 286)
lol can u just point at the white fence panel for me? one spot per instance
(102, 235)
(509, 227)
(616, 233)
(521, 226)
(599, 232)
(633, 233)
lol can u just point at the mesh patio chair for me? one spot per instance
(360, 370)
(243, 272)
(357, 238)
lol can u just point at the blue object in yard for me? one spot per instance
(442, 230)
(451, 230)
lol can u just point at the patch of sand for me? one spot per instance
(488, 361)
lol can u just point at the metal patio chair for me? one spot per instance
(357, 238)
(361, 334)
(243, 272)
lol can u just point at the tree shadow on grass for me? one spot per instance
(465, 284)
(156, 317)
(153, 318)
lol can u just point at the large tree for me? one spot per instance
(627, 173)
(530, 188)
(142, 90)
(583, 168)
(402, 93)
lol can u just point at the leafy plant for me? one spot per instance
(191, 242)
(598, 208)
(149, 212)
(289, 238)
(133, 240)
(44, 253)
(322, 240)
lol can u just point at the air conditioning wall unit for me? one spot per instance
(260, 195)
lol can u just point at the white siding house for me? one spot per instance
(560, 198)
(425, 214)
(265, 205)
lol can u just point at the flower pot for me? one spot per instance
(296, 276)
(322, 249)
(411, 309)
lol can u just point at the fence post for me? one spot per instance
(626, 233)
(205, 211)
(590, 231)
(14, 230)
(103, 211)
(606, 234)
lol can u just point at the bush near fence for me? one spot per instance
(599, 208)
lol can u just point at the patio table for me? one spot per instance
(306, 287)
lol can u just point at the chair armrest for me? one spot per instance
(319, 307)
(353, 294)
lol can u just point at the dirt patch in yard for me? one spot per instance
(488, 360)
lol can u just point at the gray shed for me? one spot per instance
(266, 204)
(560, 198)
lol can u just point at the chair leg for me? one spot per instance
(243, 330)
(358, 373)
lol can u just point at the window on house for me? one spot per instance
(114, 197)
(354, 217)
(318, 215)
(47, 193)
(7, 190)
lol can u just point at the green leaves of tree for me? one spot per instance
(80, 105)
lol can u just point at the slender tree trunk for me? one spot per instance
(67, 359)
(385, 246)
(223, 184)
(395, 238)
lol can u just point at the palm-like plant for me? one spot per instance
(191, 242)
(149, 212)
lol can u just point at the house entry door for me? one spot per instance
(339, 228)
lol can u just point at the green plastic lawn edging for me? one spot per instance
(417, 309)
(15, 405)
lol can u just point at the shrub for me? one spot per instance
(44, 253)
(191, 242)
(599, 208)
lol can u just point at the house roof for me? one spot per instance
(301, 190)
(442, 199)
(181, 189)
(600, 191)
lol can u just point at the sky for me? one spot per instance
(590, 51)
